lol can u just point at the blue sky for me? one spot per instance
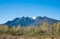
(10, 9)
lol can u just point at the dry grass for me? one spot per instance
(26, 37)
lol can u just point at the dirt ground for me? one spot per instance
(26, 37)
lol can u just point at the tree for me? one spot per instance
(13, 30)
(1, 28)
(58, 28)
(45, 27)
(29, 30)
(4, 28)
(19, 30)
(37, 30)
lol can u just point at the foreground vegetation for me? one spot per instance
(44, 30)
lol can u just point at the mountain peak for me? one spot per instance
(34, 17)
(45, 17)
(27, 21)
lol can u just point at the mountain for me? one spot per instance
(30, 21)
(23, 21)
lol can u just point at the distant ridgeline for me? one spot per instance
(31, 21)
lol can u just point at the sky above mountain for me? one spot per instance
(10, 9)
